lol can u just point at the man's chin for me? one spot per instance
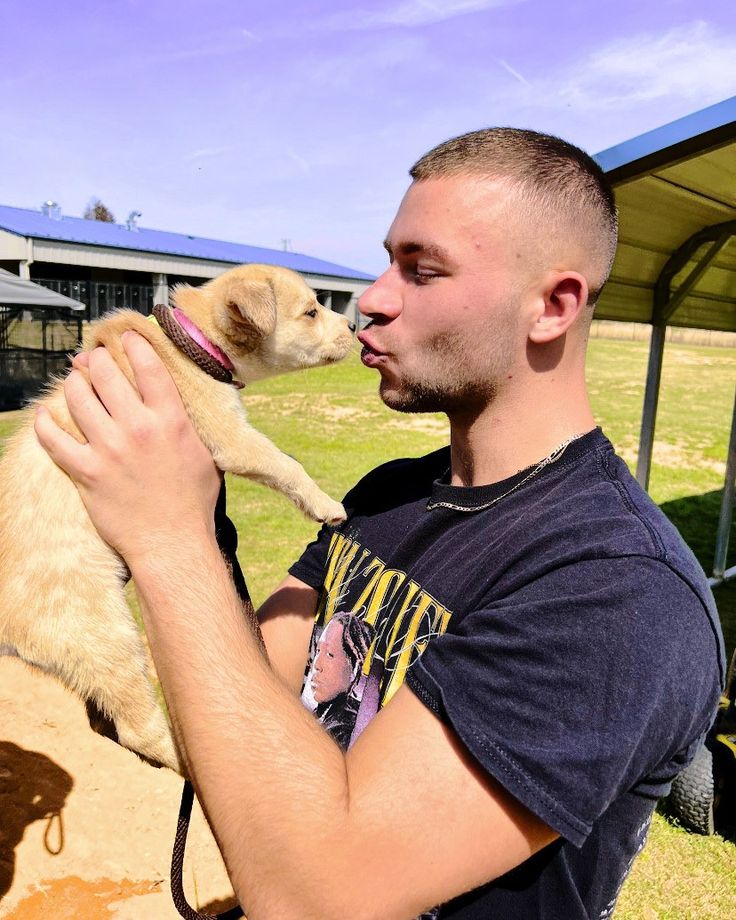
(409, 401)
(469, 400)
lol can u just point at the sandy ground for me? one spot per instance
(86, 828)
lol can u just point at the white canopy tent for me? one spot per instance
(15, 291)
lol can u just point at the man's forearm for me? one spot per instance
(272, 781)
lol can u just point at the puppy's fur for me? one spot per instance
(62, 603)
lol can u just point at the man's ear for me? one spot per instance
(247, 311)
(564, 300)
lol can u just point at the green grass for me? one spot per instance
(332, 421)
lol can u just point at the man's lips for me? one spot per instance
(371, 354)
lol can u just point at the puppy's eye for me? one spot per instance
(311, 312)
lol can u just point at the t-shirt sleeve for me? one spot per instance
(568, 690)
(310, 566)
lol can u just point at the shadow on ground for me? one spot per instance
(32, 788)
(218, 906)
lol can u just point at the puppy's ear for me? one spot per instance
(249, 311)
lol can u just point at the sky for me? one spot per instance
(260, 122)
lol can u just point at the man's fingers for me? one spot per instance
(63, 449)
(85, 408)
(152, 378)
(115, 391)
(80, 360)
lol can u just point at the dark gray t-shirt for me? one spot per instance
(557, 623)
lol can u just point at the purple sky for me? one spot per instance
(254, 122)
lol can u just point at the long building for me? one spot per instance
(106, 265)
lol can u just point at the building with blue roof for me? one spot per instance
(107, 265)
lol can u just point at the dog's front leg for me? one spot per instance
(253, 455)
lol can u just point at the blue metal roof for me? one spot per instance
(37, 225)
(671, 140)
(676, 196)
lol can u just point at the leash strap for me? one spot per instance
(177, 863)
(227, 539)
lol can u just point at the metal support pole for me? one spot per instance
(649, 412)
(45, 350)
(695, 275)
(160, 289)
(726, 516)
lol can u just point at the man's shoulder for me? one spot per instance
(408, 478)
(592, 507)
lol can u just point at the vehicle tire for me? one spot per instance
(730, 690)
(691, 798)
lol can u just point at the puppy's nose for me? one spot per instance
(352, 327)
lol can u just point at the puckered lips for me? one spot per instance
(371, 355)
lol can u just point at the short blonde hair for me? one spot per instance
(563, 186)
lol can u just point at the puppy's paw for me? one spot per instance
(337, 517)
(328, 511)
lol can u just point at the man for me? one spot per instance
(546, 653)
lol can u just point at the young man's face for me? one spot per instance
(332, 672)
(446, 317)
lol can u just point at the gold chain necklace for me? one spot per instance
(552, 457)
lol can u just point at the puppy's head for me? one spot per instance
(267, 320)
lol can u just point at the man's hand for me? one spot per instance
(144, 475)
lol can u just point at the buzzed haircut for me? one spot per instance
(563, 185)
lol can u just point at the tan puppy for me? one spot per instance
(62, 603)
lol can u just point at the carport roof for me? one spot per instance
(676, 193)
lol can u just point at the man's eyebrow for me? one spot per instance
(410, 248)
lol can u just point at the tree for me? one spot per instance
(96, 210)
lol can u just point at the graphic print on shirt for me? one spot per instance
(372, 624)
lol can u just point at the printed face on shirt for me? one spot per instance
(332, 670)
(448, 315)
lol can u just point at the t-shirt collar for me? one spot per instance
(477, 498)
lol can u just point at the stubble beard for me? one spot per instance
(447, 383)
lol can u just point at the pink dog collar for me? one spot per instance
(190, 339)
(201, 339)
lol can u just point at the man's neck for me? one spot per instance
(503, 439)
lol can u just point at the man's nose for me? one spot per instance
(382, 298)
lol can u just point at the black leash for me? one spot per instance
(177, 863)
(227, 539)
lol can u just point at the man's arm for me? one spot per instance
(286, 620)
(403, 821)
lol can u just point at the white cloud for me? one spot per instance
(693, 62)
(206, 153)
(409, 13)
(300, 161)
(514, 73)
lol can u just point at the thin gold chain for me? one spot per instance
(552, 457)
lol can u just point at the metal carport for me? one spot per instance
(16, 291)
(38, 327)
(676, 262)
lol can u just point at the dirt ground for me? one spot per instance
(86, 828)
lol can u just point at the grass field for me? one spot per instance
(332, 421)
